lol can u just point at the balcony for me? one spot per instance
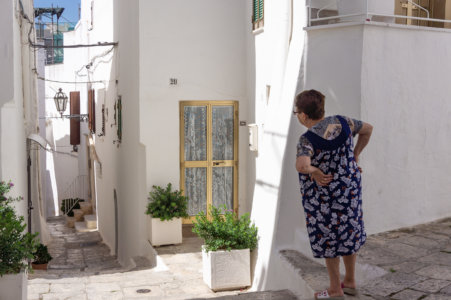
(424, 13)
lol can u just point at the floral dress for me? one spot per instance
(333, 213)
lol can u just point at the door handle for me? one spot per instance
(217, 163)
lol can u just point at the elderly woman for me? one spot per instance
(331, 188)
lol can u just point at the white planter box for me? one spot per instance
(226, 270)
(13, 286)
(164, 232)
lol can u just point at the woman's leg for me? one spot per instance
(333, 268)
(349, 262)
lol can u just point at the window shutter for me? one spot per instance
(91, 111)
(74, 122)
(258, 11)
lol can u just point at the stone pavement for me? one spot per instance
(83, 269)
(406, 264)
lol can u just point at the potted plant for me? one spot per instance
(70, 216)
(16, 247)
(226, 253)
(41, 258)
(166, 208)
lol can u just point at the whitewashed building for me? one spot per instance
(19, 128)
(175, 96)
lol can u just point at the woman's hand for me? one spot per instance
(321, 178)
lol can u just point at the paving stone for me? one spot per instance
(407, 267)
(379, 257)
(66, 288)
(406, 251)
(92, 288)
(433, 235)
(60, 296)
(408, 295)
(439, 258)
(431, 285)
(391, 283)
(106, 295)
(420, 242)
(446, 290)
(436, 272)
(132, 292)
(38, 288)
(437, 297)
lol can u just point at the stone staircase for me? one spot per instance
(84, 220)
(89, 224)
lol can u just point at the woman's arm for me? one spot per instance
(363, 139)
(303, 165)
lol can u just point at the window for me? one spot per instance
(257, 19)
(54, 55)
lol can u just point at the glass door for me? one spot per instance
(209, 155)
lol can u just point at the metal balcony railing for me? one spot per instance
(326, 12)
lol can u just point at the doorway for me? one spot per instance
(209, 155)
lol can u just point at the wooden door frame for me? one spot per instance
(209, 162)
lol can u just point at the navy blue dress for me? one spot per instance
(334, 212)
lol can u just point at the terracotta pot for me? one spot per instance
(39, 266)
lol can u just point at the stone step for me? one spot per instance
(78, 214)
(91, 221)
(86, 207)
(81, 227)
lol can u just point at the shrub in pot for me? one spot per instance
(226, 253)
(16, 247)
(41, 258)
(166, 208)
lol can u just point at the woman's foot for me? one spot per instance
(348, 284)
(349, 288)
(330, 294)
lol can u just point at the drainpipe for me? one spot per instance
(30, 203)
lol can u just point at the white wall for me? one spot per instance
(405, 95)
(17, 117)
(204, 47)
(279, 50)
(388, 76)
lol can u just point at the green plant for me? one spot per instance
(41, 255)
(225, 231)
(64, 202)
(166, 204)
(16, 246)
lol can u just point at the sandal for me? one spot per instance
(325, 295)
(348, 291)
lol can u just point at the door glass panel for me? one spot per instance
(195, 119)
(222, 132)
(223, 186)
(196, 190)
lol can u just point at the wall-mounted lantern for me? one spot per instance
(61, 105)
(60, 101)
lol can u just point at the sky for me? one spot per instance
(70, 8)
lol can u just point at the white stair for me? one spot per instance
(91, 221)
(78, 214)
(81, 227)
(86, 207)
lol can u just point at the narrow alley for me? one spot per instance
(82, 268)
